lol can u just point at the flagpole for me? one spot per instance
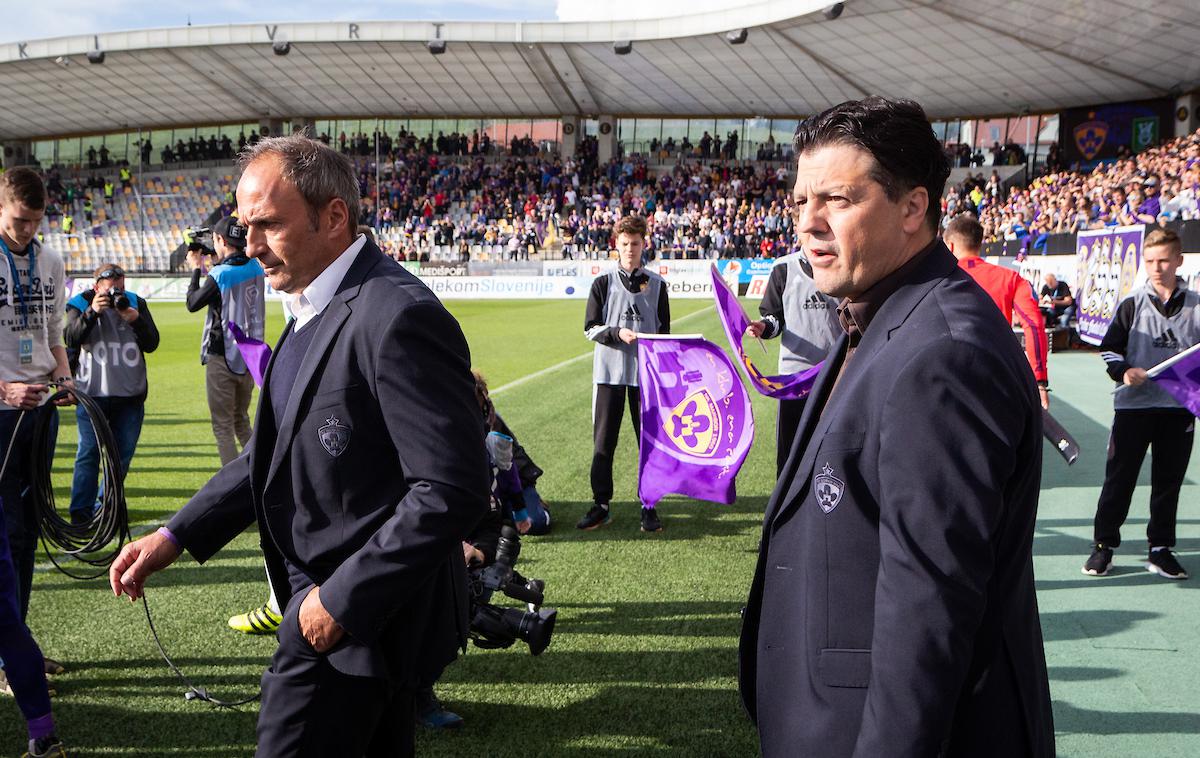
(1168, 363)
(642, 336)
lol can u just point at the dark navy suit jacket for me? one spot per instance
(892, 611)
(369, 482)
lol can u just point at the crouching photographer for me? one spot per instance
(491, 553)
(112, 329)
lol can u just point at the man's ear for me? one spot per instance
(916, 203)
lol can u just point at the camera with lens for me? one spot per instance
(119, 299)
(495, 627)
(201, 240)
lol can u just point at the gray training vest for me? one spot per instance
(637, 311)
(110, 362)
(810, 320)
(243, 301)
(1153, 338)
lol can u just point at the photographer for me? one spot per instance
(234, 291)
(112, 329)
(490, 552)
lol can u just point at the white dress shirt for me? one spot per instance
(315, 298)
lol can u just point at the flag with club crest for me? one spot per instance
(696, 421)
(733, 318)
(256, 353)
(1180, 377)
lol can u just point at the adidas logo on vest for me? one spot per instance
(816, 302)
(632, 313)
(1167, 340)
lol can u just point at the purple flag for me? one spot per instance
(696, 421)
(255, 353)
(733, 318)
(1180, 377)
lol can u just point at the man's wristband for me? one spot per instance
(171, 537)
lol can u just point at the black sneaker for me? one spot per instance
(650, 522)
(1163, 563)
(597, 516)
(1100, 561)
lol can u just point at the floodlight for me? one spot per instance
(622, 47)
(737, 36)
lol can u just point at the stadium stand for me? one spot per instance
(117, 230)
(1157, 186)
(456, 198)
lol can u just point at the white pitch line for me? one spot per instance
(576, 359)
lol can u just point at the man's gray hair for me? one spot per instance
(319, 172)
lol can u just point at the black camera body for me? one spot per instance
(120, 300)
(201, 240)
(495, 627)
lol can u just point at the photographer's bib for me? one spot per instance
(110, 362)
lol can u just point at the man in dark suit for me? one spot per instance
(892, 611)
(365, 472)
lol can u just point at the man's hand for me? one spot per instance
(137, 561)
(101, 303)
(1044, 396)
(1135, 376)
(756, 328)
(317, 626)
(66, 384)
(472, 555)
(524, 525)
(129, 315)
(21, 395)
(628, 336)
(195, 259)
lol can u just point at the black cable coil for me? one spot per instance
(87, 542)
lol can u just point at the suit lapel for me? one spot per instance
(822, 412)
(328, 326)
(808, 421)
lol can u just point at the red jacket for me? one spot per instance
(1010, 292)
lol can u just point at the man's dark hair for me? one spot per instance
(967, 228)
(898, 136)
(23, 185)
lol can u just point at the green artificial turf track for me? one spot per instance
(644, 656)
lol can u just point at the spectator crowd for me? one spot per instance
(1156, 186)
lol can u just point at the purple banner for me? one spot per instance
(733, 318)
(255, 352)
(696, 421)
(1106, 267)
(1180, 377)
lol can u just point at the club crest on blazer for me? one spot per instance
(334, 436)
(828, 489)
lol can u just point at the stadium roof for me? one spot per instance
(958, 58)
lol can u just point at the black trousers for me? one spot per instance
(312, 710)
(1168, 434)
(787, 423)
(607, 408)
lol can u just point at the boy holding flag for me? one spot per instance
(622, 303)
(1155, 322)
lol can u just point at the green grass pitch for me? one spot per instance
(644, 656)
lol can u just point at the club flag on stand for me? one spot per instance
(696, 421)
(255, 352)
(1180, 377)
(733, 318)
